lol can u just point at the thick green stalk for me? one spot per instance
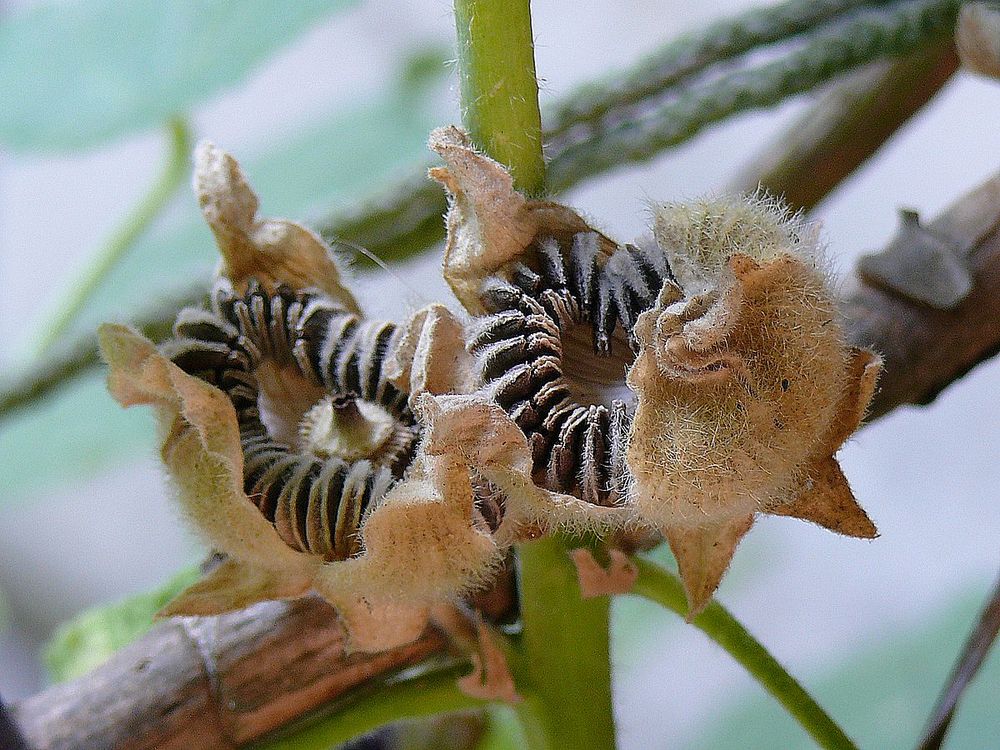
(125, 236)
(664, 588)
(496, 73)
(563, 669)
(429, 694)
(565, 659)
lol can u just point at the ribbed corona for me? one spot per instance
(553, 351)
(316, 496)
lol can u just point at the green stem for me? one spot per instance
(565, 657)
(429, 694)
(562, 667)
(126, 234)
(496, 71)
(664, 588)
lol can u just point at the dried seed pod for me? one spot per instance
(289, 447)
(557, 301)
(745, 384)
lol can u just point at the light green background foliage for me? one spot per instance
(81, 73)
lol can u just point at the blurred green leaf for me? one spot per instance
(74, 74)
(92, 636)
(69, 436)
(883, 695)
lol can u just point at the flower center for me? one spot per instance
(550, 355)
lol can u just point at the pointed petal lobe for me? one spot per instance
(830, 503)
(703, 554)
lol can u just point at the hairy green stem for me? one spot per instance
(565, 655)
(693, 53)
(496, 73)
(664, 588)
(174, 171)
(863, 37)
(562, 662)
(428, 694)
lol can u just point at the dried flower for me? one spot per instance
(290, 448)
(740, 386)
(745, 386)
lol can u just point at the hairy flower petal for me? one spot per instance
(273, 251)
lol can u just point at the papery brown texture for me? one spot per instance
(479, 433)
(597, 580)
(272, 251)
(745, 384)
(489, 223)
(430, 356)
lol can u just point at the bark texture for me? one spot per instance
(211, 683)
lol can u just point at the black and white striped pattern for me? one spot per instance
(316, 504)
(577, 448)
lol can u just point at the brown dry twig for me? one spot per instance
(212, 683)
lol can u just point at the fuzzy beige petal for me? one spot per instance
(703, 555)
(375, 624)
(742, 386)
(489, 223)
(273, 251)
(863, 369)
(422, 546)
(481, 435)
(231, 586)
(829, 502)
(421, 543)
(596, 580)
(431, 356)
(201, 449)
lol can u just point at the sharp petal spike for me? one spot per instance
(829, 502)
(703, 554)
